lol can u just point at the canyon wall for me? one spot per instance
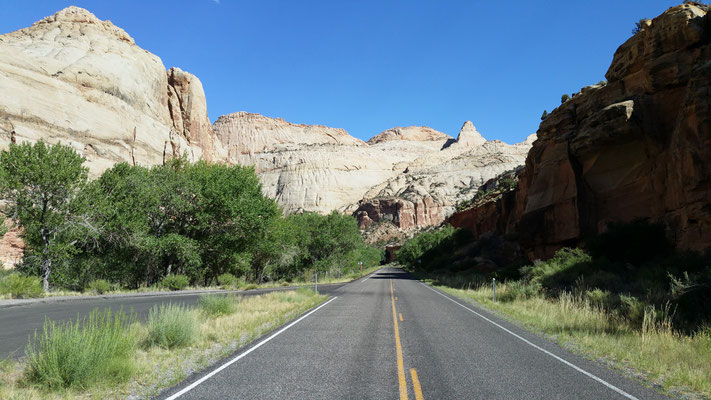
(636, 146)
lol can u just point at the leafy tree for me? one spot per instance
(545, 115)
(200, 220)
(40, 182)
(565, 97)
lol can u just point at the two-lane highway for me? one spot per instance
(392, 337)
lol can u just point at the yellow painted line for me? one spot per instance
(416, 385)
(400, 316)
(398, 348)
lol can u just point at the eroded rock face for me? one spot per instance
(427, 192)
(636, 147)
(75, 79)
(316, 168)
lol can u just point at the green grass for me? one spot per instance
(20, 286)
(83, 353)
(171, 326)
(677, 362)
(217, 305)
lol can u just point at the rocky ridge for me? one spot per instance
(316, 168)
(637, 146)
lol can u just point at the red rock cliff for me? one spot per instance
(638, 146)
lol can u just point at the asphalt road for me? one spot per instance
(390, 337)
(19, 322)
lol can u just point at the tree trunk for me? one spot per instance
(47, 260)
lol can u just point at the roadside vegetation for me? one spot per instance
(169, 227)
(627, 298)
(110, 355)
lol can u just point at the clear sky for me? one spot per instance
(367, 66)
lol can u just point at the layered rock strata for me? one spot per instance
(637, 146)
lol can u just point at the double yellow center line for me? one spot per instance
(402, 383)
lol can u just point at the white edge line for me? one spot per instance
(234, 360)
(575, 367)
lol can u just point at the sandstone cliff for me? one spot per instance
(429, 188)
(76, 79)
(638, 146)
(316, 168)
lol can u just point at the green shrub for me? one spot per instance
(170, 326)
(544, 115)
(520, 290)
(602, 299)
(250, 286)
(100, 286)
(216, 305)
(560, 271)
(565, 97)
(175, 282)
(632, 309)
(508, 184)
(21, 286)
(83, 353)
(228, 280)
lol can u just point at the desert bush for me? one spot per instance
(21, 287)
(519, 290)
(171, 326)
(561, 270)
(175, 282)
(602, 299)
(83, 353)
(632, 309)
(217, 305)
(228, 280)
(99, 286)
(508, 184)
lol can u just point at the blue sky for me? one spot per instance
(367, 66)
